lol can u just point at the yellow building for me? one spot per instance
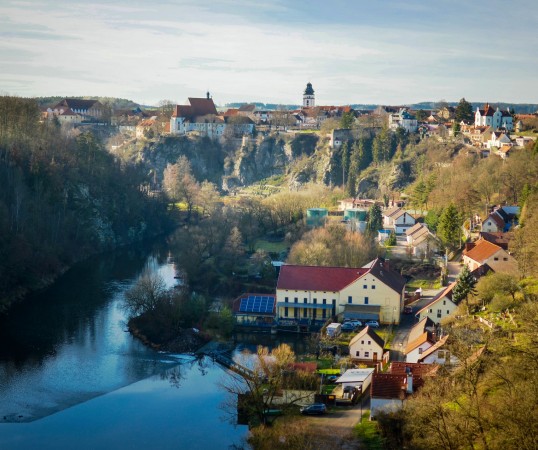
(312, 294)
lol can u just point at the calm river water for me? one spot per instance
(72, 377)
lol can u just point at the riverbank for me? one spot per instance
(183, 341)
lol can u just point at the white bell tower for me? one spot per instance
(309, 99)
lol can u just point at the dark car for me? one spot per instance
(348, 326)
(408, 310)
(315, 408)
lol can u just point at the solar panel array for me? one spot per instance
(257, 303)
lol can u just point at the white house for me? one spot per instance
(421, 337)
(403, 119)
(498, 139)
(398, 219)
(422, 241)
(310, 294)
(366, 347)
(439, 307)
(493, 118)
(390, 390)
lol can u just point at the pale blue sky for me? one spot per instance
(353, 51)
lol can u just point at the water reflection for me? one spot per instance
(177, 409)
(70, 343)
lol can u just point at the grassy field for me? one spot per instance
(424, 284)
(366, 431)
(269, 246)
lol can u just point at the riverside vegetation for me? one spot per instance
(65, 196)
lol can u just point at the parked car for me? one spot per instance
(314, 408)
(408, 310)
(372, 324)
(357, 323)
(348, 326)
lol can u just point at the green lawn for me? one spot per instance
(269, 246)
(368, 433)
(424, 284)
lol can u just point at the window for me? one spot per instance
(295, 300)
(441, 354)
(305, 300)
(495, 258)
(444, 302)
(295, 313)
(350, 299)
(324, 314)
(420, 350)
(358, 354)
(447, 312)
(365, 286)
(366, 354)
(305, 312)
(286, 299)
(314, 313)
(369, 342)
(431, 310)
(362, 342)
(439, 313)
(324, 301)
(505, 259)
(315, 301)
(373, 286)
(286, 311)
(365, 300)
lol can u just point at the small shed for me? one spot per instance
(357, 378)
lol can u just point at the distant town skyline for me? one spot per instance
(353, 52)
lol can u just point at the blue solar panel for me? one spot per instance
(257, 303)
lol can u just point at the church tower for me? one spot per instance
(309, 99)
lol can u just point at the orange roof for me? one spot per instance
(417, 342)
(482, 251)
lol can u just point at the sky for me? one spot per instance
(352, 51)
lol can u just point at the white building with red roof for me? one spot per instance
(494, 118)
(311, 294)
(201, 116)
(440, 307)
(483, 252)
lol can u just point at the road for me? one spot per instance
(401, 332)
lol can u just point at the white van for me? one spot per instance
(334, 329)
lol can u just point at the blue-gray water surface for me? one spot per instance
(71, 376)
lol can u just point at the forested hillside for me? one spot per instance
(62, 197)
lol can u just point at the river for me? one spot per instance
(71, 376)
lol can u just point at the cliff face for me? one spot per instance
(302, 158)
(255, 160)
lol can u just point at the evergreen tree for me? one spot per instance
(347, 120)
(448, 228)
(465, 286)
(464, 111)
(375, 219)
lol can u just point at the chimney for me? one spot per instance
(208, 96)
(386, 264)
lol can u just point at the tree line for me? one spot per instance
(62, 197)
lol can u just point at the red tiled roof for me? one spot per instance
(482, 251)
(202, 106)
(386, 385)
(316, 278)
(499, 238)
(182, 111)
(417, 369)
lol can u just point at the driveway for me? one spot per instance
(401, 332)
(335, 428)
